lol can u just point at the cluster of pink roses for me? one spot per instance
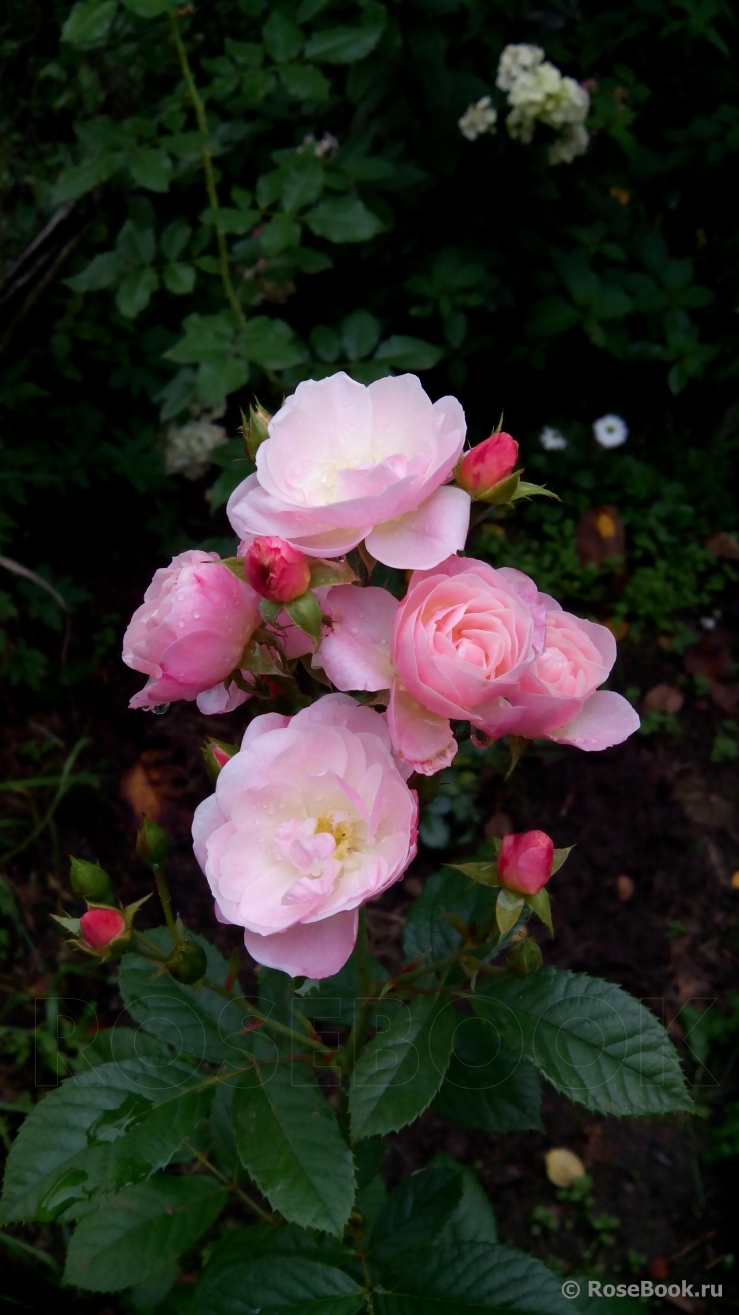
(313, 815)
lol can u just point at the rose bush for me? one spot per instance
(189, 633)
(309, 820)
(345, 462)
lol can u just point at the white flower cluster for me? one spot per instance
(188, 447)
(538, 93)
(610, 431)
(552, 440)
(477, 119)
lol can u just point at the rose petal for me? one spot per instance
(606, 719)
(308, 949)
(420, 737)
(355, 654)
(421, 539)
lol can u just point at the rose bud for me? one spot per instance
(100, 927)
(525, 862)
(487, 464)
(275, 569)
(89, 881)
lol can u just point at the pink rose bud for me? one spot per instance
(525, 862)
(101, 926)
(487, 464)
(276, 570)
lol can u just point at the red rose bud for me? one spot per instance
(276, 570)
(217, 754)
(487, 464)
(525, 862)
(99, 927)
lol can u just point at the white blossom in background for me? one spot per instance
(477, 119)
(516, 60)
(188, 448)
(538, 93)
(610, 431)
(325, 149)
(551, 440)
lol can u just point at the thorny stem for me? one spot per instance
(210, 181)
(227, 1182)
(269, 1023)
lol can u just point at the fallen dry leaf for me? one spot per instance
(624, 887)
(138, 791)
(663, 698)
(563, 1167)
(725, 697)
(498, 825)
(735, 880)
(659, 1267)
(725, 545)
(710, 657)
(600, 534)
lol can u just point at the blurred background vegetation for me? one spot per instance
(208, 203)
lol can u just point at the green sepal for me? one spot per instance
(503, 492)
(258, 659)
(305, 613)
(526, 490)
(259, 419)
(324, 573)
(131, 910)
(71, 925)
(269, 610)
(560, 856)
(507, 909)
(485, 874)
(516, 746)
(235, 566)
(540, 905)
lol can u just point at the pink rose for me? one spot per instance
(98, 927)
(275, 569)
(487, 464)
(525, 862)
(309, 820)
(190, 631)
(455, 648)
(470, 643)
(561, 681)
(345, 462)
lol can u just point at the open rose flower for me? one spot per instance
(471, 643)
(309, 820)
(345, 462)
(189, 633)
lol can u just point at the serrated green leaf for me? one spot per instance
(289, 1142)
(179, 278)
(89, 22)
(282, 37)
(408, 353)
(79, 179)
(200, 1024)
(149, 8)
(132, 1235)
(344, 219)
(304, 82)
(360, 333)
(416, 1212)
(102, 270)
(218, 377)
(402, 1068)
(288, 1285)
(305, 613)
(98, 1131)
(591, 1040)
(428, 930)
(174, 239)
(135, 292)
(468, 1279)
(473, 1219)
(487, 1087)
(326, 343)
(150, 168)
(344, 45)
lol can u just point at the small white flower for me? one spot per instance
(551, 440)
(708, 622)
(514, 61)
(570, 143)
(188, 447)
(327, 147)
(477, 119)
(610, 431)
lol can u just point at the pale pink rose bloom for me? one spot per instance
(345, 462)
(309, 820)
(189, 633)
(525, 862)
(453, 649)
